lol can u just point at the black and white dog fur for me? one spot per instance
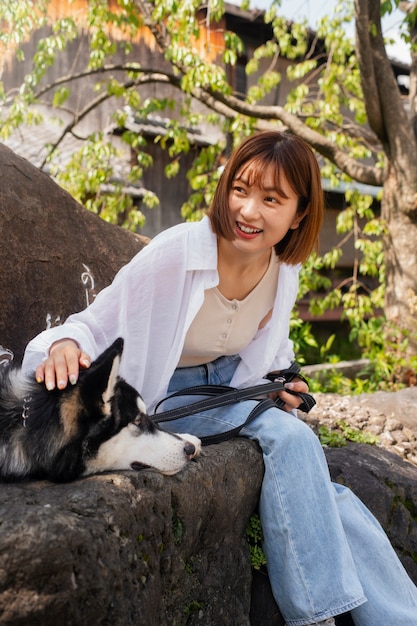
(99, 424)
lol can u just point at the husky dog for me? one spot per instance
(99, 424)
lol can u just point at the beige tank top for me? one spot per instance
(224, 327)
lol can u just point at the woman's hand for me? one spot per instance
(62, 365)
(291, 401)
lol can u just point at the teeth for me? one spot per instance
(249, 231)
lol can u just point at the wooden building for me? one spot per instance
(172, 193)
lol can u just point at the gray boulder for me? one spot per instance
(388, 487)
(137, 548)
(55, 256)
(132, 548)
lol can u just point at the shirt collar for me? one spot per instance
(202, 246)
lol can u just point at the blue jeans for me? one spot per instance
(326, 553)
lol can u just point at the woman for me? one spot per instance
(210, 303)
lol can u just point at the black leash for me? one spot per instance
(221, 395)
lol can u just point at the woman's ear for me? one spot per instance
(298, 219)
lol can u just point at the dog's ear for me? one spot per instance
(98, 382)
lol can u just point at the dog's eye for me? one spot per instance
(137, 465)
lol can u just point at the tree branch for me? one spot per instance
(224, 104)
(77, 117)
(107, 69)
(230, 106)
(385, 108)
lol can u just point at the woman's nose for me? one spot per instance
(250, 208)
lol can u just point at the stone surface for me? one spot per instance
(388, 487)
(132, 548)
(139, 548)
(391, 416)
(54, 254)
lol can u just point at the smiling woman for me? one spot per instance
(284, 174)
(263, 211)
(229, 283)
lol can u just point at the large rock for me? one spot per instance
(132, 548)
(138, 548)
(121, 548)
(54, 254)
(388, 487)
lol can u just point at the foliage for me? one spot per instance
(254, 536)
(331, 438)
(360, 297)
(342, 433)
(89, 177)
(325, 102)
(180, 40)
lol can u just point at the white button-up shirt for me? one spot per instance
(151, 304)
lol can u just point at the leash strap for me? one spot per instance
(262, 406)
(220, 395)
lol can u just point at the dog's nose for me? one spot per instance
(189, 449)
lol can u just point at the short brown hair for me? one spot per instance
(292, 157)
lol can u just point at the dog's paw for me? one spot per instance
(195, 442)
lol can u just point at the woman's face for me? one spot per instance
(262, 215)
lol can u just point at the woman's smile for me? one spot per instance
(246, 231)
(262, 211)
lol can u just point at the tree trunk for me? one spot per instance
(400, 247)
(392, 122)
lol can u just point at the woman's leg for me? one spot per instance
(322, 548)
(392, 596)
(332, 542)
(309, 561)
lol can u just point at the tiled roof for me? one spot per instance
(31, 142)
